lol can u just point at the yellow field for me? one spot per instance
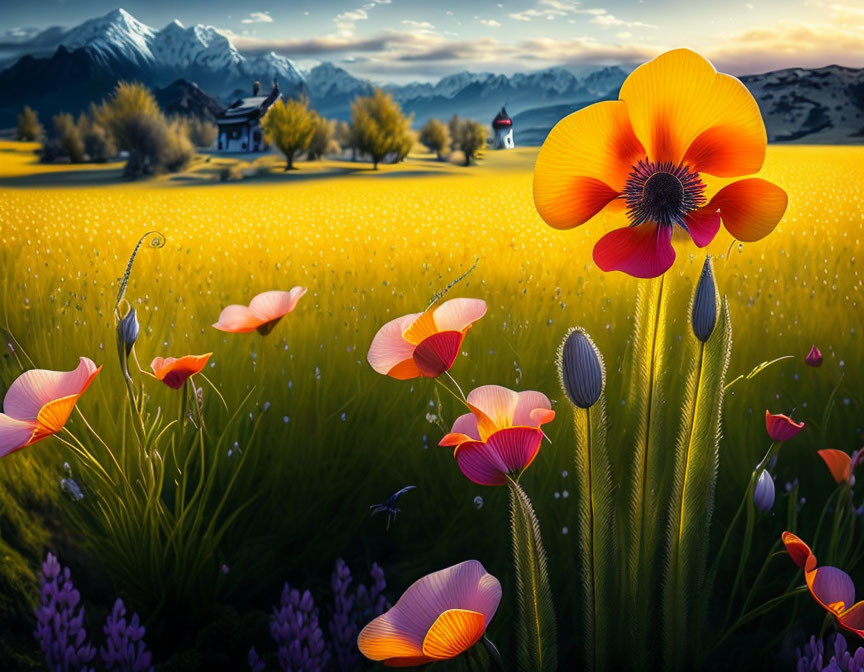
(372, 246)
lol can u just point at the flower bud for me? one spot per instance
(128, 329)
(763, 495)
(583, 375)
(814, 357)
(703, 314)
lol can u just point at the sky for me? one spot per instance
(408, 40)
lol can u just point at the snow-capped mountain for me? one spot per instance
(116, 35)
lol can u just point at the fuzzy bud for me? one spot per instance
(703, 314)
(128, 330)
(583, 375)
(763, 495)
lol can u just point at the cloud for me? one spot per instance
(418, 25)
(555, 9)
(352, 16)
(258, 17)
(490, 23)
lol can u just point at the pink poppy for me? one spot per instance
(501, 435)
(424, 344)
(262, 314)
(781, 427)
(439, 617)
(174, 372)
(39, 402)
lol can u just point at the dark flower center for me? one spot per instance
(663, 193)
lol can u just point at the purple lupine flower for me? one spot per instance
(294, 628)
(255, 662)
(371, 602)
(125, 650)
(812, 657)
(60, 621)
(343, 628)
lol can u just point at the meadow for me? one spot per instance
(329, 437)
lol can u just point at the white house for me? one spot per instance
(240, 125)
(502, 127)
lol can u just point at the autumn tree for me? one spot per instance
(436, 136)
(29, 128)
(66, 138)
(378, 127)
(455, 128)
(342, 135)
(322, 141)
(472, 138)
(202, 133)
(98, 143)
(137, 125)
(289, 125)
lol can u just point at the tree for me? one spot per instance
(66, 137)
(379, 128)
(436, 136)
(455, 128)
(202, 133)
(322, 141)
(342, 135)
(29, 128)
(472, 137)
(289, 125)
(98, 144)
(133, 119)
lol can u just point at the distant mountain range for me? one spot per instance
(66, 69)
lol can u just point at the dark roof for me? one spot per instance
(502, 119)
(253, 107)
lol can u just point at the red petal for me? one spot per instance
(703, 225)
(643, 251)
(436, 354)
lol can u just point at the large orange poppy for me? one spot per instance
(676, 119)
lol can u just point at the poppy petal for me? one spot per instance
(643, 251)
(400, 632)
(481, 463)
(853, 619)
(421, 328)
(35, 388)
(455, 631)
(176, 371)
(465, 425)
(516, 446)
(532, 409)
(436, 354)
(797, 549)
(496, 406)
(584, 164)
(833, 588)
(52, 417)
(678, 97)
(703, 225)
(389, 349)
(412, 661)
(237, 319)
(458, 314)
(838, 463)
(751, 208)
(14, 434)
(276, 303)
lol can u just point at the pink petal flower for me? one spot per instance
(507, 452)
(814, 357)
(263, 313)
(781, 427)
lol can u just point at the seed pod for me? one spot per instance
(763, 495)
(583, 374)
(703, 314)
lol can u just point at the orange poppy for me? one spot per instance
(39, 402)
(424, 344)
(174, 372)
(841, 465)
(832, 588)
(676, 118)
(439, 617)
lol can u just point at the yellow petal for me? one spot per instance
(584, 163)
(677, 100)
(455, 631)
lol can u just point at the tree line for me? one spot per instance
(130, 120)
